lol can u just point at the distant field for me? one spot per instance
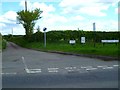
(88, 48)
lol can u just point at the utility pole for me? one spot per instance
(94, 28)
(25, 5)
(12, 32)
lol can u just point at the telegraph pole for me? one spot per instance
(12, 32)
(25, 5)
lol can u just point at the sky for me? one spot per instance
(61, 15)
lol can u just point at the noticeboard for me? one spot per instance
(82, 39)
(72, 41)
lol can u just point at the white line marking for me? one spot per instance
(99, 66)
(107, 67)
(9, 73)
(83, 67)
(53, 69)
(33, 70)
(27, 70)
(74, 67)
(23, 59)
(115, 65)
(68, 67)
(86, 67)
(91, 69)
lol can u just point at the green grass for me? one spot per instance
(88, 48)
(2, 44)
(107, 50)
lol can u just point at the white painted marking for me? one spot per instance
(68, 67)
(86, 67)
(9, 73)
(115, 65)
(91, 69)
(107, 67)
(27, 70)
(33, 70)
(83, 67)
(99, 66)
(53, 69)
(74, 67)
(23, 59)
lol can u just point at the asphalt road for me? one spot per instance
(24, 68)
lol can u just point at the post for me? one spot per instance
(44, 39)
(44, 29)
(25, 5)
(94, 28)
(12, 32)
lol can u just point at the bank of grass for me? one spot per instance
(88, 48)
(2, 44)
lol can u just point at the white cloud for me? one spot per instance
(44, 7)
(74, 3)
(18, 30)
(94, 11)
(77, 18)
(8, 17)
(89, 7)
(2, 25)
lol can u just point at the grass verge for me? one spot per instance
(88, 48)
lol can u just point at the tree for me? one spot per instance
(28, 20)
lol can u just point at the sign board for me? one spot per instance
(109, 41)
(72, 41)
(44, 29)
(82, 39)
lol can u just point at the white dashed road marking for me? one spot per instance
(115, 65)
(9, 73)
(33, 70)
(99, 66)
(53, 69)
(91, 69)
(107, 67)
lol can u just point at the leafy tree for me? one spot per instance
(28, 20)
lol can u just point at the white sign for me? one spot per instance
(109, 41)
(72, 41)
(82, 39)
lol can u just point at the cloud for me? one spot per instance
(94, 11)
(44, 7)
(77, 18)
(2, 25)
(8, 17)
(88, 7)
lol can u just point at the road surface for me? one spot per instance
(25, 68)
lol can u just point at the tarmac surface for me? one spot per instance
(25, 68)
